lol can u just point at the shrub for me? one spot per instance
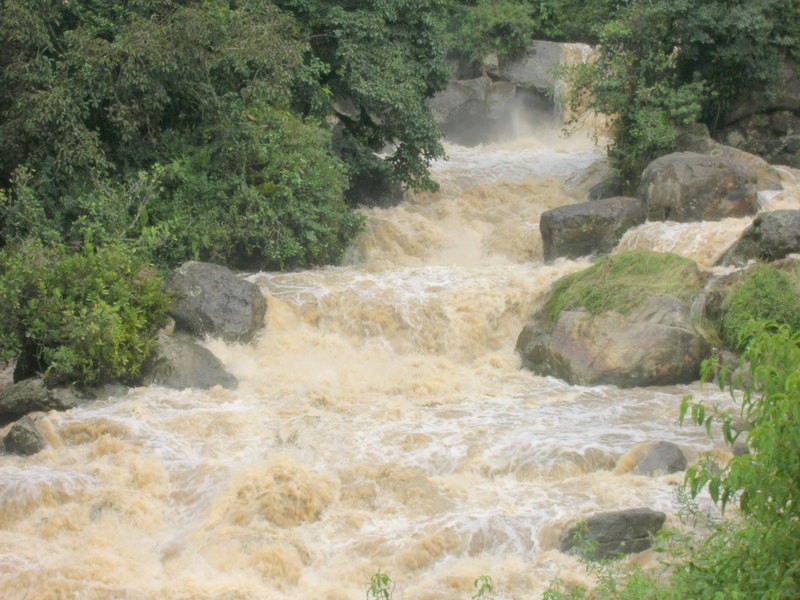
(755, 554)
(624, 281)
(765, 293)
(79, 317)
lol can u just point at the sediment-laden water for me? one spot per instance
(382, 422)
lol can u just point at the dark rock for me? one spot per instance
(588, 227)
(610, 534)
(608, 188)
(372, 187)
(773, 136)
(787, 99)
(587, 349)
(182, 364)
(33, 395)
(653, 459)
(772, 236)
(24, 438)
(26, 396)
(212, 300)
(686, 186)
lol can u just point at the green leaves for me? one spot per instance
(84, 317)
(666, 64)
(758, 555)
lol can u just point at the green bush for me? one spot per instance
(755, 553)
(79, 317)
(664, 65)
(767, 294)
(623, 281)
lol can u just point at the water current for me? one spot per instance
(382, 422)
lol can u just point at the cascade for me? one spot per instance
(382, 422)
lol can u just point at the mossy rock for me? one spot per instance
(625, 321)
(765, 293)
(623, 282)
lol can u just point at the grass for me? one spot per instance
(623, 282)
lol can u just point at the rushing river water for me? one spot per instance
(382, 422)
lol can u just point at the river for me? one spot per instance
(382, 423)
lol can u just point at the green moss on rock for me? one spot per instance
(767, 293)
(623, 282)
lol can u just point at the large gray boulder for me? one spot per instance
(181, 363)
(610, 534)
(478, 110)
(586, 228)
(212, 300)
(687, 186)
(772, 236)
(539, 65)
(24, 438)
(655, 344)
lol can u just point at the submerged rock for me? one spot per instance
(212, 300)
(24, 438)
(653, 459)
(182, 364)
(610, 534)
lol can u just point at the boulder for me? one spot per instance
(697, 139)
(31, 395)
(539, 65)
(182, 363)
(687, 186)
(772, 236)
(24, 438)
(212, 300)
(608, 188)
(774, 136)
(26, 396)
(479, 110)
(606, 535)
(589, 227)
(608, 348)
(652, 459)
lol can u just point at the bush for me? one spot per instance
(755, 554)
(623, 281)
(765, 293)
(79, 317)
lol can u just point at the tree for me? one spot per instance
(168, 122)
(665, 65)
(373, 64)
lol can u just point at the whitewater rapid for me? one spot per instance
(382, 422)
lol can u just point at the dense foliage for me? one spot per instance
(79, 317)
(665, 65)
(373, 64)
(167, 122)
(756, 554)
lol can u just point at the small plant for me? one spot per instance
(381, 587)
(484, 586)
(79, 317)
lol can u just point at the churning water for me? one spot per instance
(382, 422)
